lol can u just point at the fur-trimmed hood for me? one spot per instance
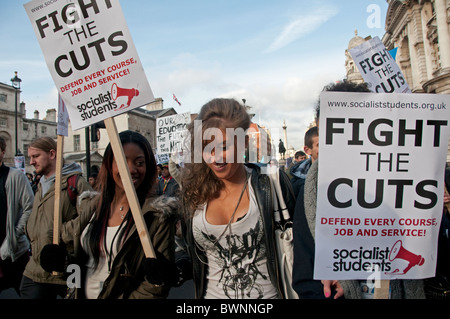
(163, 206)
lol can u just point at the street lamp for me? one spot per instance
(16, 85)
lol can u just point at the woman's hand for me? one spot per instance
(329, 285)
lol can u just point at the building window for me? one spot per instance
(25, 126)
(3, 98)
(3, 122)
(44, 129)
(76, 143)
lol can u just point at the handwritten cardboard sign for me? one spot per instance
(170, 132)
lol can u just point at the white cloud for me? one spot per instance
(301, 26)
(278, 91)
(292, 100)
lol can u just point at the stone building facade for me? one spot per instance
(351, 70)
(420, 31)
(27, 129)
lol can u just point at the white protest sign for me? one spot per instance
(378, 69)
(170, 132)
(162, 158)
(380, 184)
(91, 57)
(19, 163)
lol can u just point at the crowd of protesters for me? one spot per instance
(209, 221)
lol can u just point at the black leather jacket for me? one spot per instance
(261, 186)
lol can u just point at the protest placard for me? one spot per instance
(380, 184)
(170, 132)
(163, 158)
(378, 68)
(91, 57)
(62, 127)
(97, 71)
(19, 163)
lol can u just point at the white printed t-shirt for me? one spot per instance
(237, 266)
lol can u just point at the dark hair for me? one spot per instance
(299, 153)
(106, 188)
(341, 86)
(312, 132)
(94, 170)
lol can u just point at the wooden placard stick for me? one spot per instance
(57, 207)
(381, 289)
(130, 192)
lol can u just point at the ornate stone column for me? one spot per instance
(440, 7)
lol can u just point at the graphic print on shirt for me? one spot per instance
(239, 257)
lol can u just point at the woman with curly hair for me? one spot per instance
(228, 208)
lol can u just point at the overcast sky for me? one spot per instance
(277, 55)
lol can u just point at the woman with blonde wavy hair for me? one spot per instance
(228, 208)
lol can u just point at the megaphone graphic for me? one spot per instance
(398, 251)
(117, 92)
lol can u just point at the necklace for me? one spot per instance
(215, 240)
(228, 226)
(121, 203)
(110, 254)
(122, 212)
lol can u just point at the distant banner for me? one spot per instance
(380, 185)
(170, 132)
(378, 68)
(91, 57)
(162, 159)
(63, 118)
(19, 163)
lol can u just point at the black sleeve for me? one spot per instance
(303, 269)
